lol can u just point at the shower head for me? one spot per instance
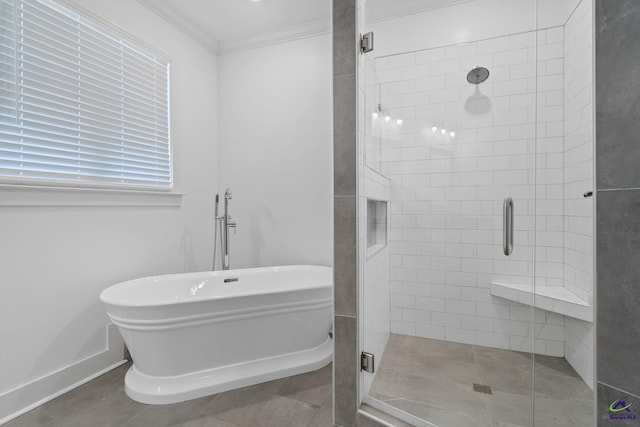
(477, 75)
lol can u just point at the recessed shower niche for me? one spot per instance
(376, 226)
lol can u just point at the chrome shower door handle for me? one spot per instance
(507, 226)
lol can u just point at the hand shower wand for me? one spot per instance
(225, 224)
(215, 232)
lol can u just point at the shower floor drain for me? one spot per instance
(481, 388)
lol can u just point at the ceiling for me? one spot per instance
(225, 26)
(215, 21)
(228, 25)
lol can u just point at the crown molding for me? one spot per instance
(296, 32)
(382, 10)
(174, 17)
(376, 11)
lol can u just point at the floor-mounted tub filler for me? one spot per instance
(196, 334)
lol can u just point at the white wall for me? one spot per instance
(55, 260)
(275, 152)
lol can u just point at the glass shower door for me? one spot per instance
(456, 179)
(564, 329)
(452, 130)
(468, 129)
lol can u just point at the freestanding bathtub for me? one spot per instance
(196, 334)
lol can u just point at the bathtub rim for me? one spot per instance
(112, 302)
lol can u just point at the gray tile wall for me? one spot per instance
(618, 207)
(345, 225)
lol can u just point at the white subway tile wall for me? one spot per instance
(459, 151)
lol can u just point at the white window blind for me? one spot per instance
(79, 104)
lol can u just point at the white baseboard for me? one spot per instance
(34, 393)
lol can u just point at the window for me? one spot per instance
(80, 104)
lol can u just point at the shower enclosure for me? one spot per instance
(476, 211)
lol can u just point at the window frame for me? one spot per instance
(18, 191)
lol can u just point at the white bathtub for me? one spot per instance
(196, 334)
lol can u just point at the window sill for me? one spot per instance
(40, 196)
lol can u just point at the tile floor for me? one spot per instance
(434, 379)
(430, 379)
(298, 401)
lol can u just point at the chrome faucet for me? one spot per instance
(226, 225)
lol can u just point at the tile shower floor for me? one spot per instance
(298, 401)
(434, 380)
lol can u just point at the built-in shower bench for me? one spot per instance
(557, 299)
